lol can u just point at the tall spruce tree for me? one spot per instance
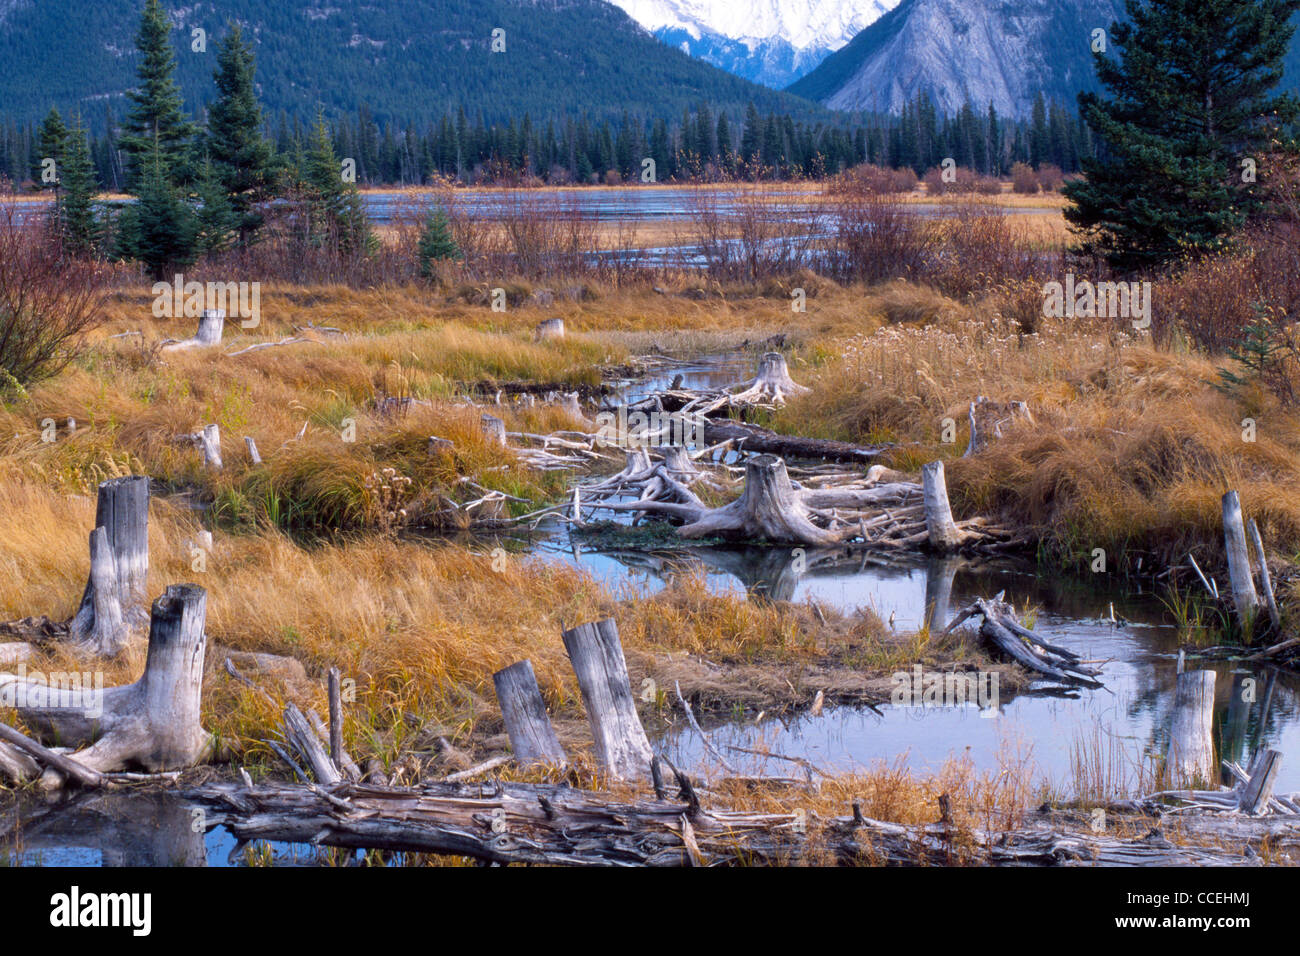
(78, 219)
(1191, 107)
(51, 141)
(241, 157)
(157, 117)
(336, 212)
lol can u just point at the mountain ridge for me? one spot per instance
(1002, 52)
(407, 60)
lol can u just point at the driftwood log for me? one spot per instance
(153, 724)
(1002, 629)
(507, 823)
(747, 437)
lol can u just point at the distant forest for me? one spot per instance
(701, 145)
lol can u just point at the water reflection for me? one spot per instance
(1127, 629)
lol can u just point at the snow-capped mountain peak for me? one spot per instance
(801, 23)
(773, 41)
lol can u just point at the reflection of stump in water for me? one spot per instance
(150, 829)
(1232, 740)
(772, 573)
(939, 574)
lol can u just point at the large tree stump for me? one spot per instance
(121, 568)
(153, 724)
(531, 735)
(772, 383)
(1190, 757)
(596, 653)
(768, 508)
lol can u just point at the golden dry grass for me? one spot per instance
(419, 626)
(1131, 448)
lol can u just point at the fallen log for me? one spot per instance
(508, 823)
(755, 438)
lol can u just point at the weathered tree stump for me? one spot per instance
(1190, 756)
(1244, 597)
(939, 527)
(549, 329)
(211, 324)
(596, 654)
(152, 724)
(120, 565)
(1258, 789)
(771, 385)
(569, 402)
(532, 738)
(252, 450)
(494, 430)
(987, 419)
(105, 633)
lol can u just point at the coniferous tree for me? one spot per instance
(1191, 101)
(157, 119)
(241, 158)
(78, 220)
(217, 221)
(336, 211)
(160, 230)
(51, 141)
(436, 242)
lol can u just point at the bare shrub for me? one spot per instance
(47, 303)
(877, 237)
(961, 181)
(876, 179)
(1050, 177)
(1023, 179)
